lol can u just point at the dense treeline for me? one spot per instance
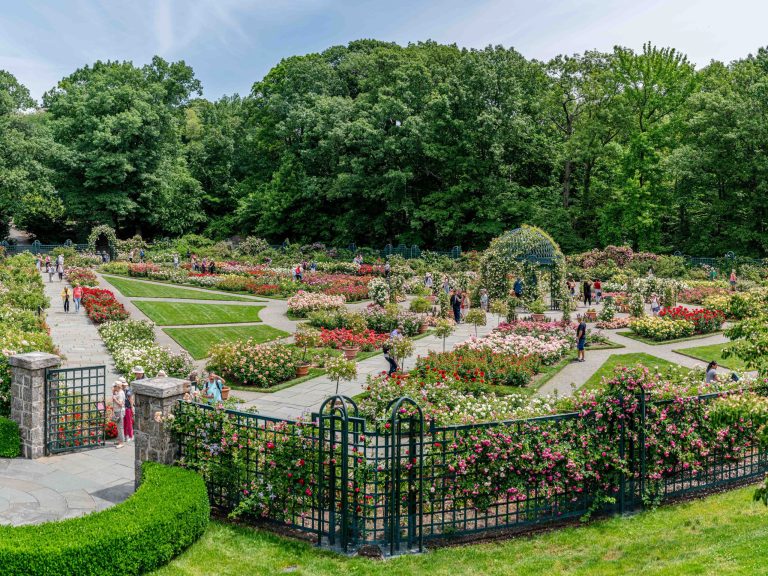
(427, 144)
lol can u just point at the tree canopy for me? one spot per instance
(429, 144)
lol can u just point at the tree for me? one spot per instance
(120, 125)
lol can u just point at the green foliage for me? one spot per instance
(339, 368)
(477, 317)
(420, 305)
(10, 440)
(750, 342)
(168, 512)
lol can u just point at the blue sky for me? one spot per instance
(232, 43)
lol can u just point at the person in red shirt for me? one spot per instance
(598, 291)
(77, 295)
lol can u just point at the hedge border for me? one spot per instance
(10, 439)
(168, 512)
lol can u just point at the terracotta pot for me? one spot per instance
(423, 328)
(350, 352)
(539, 317)
(225, 392)
(591, 317)
(302, 370)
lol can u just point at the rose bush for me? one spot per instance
(102, 306)
(250, 364)
(703, 320)
(660, 329)
(305, 302)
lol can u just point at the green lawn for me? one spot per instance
(714, 352)
(720, 535)
(630, 359)
(197, 341)
(183, 313)
(137, 289)
(633, 336)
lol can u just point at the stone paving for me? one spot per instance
(64, 486)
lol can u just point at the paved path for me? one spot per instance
(64, 486)
(74, 334)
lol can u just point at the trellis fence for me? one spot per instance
(403, 482)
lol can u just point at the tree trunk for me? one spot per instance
(567, 182)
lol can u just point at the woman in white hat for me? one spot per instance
(138, 373)
(118, 409)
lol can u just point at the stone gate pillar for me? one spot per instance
(28, 398)
(153, 400)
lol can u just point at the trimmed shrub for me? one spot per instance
(10, 440)
(169, 511)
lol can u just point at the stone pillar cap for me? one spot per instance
(159, 387)
(34, 360)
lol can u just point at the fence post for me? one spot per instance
(154, 400)
(28, 398)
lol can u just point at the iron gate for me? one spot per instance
(75, 408)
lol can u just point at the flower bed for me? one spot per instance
(614, 324)
(698, 294)
(481, 367)
(305, 302)
(132, 343)
(704, 321)
(251, 364)
(549, 347)
(367, 340)
(102, 306)
(660, 329)
(142, 270)
(82, 277)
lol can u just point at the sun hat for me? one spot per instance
(138, 370)
(161, 374)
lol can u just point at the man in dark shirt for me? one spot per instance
(581, 334)
(456, 306)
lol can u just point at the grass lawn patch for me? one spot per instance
(714, 352)
(633, 336)
(197, 341)
(720, 534)
(184, 313)
(630, 359)
(138, 289)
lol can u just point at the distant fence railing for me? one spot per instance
(37, 248)
(727, 260)
(403, 481)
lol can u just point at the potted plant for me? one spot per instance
(305, 338)
(537, 309)
(357, 325)
(477, 317)
(591, 315)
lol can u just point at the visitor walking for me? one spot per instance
(455, 301)
(39, 262)
(465, 305)
(655, 306)
(65, 296)
(47, 260)
(128, 420)
(141, 255)
(518, 287)
(598, 286)
(297, 273)
(387, 350)
(60, 271)
(118, 412)
(387, 269)
(446, 285)
(175, 260)
(581, 335)
(587, 293)
(711, 375)
(60, 260)
(571, 287)
(77, 296)
(213, 388)
(484, 299)
(212, 267)
(397, 332)
(732, 280)
(428, 280)
(49, 268)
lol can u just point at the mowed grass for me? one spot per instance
(714, 352)
(725, 534)
(185, 313)
(198, 341)
(137, 289)
(630, 359)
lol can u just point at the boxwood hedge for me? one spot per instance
(168, 512)
(10, 441)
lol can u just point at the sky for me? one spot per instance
(233, 43)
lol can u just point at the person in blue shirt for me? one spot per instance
(518, 288)
(213, 388)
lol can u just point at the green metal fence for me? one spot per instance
(401, 483)
(37, 248)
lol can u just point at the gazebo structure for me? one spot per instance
(529, 253)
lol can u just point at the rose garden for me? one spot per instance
(489, 428)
